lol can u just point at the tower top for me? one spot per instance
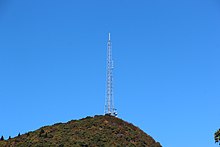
(109, 36)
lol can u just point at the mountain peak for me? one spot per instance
(90, 131)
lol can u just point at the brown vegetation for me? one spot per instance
(90, 131)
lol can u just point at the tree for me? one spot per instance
(217, 136)
(19, 134)
(41, 132)
(2, 138)
(45, 136)
(9, 137)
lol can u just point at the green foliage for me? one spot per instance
(87, 132)
(217, 136)
(45, 136)
(61, 145)
(41, 132)
(28, 134)
(2, 143)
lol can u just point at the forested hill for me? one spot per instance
(90, 131)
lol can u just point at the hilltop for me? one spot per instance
(90, 131)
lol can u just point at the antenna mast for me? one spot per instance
(109, 107)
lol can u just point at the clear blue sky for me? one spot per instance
(166, 57)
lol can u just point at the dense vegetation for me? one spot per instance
(90, 131)
(217, 136)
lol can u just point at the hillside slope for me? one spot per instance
(90, 131)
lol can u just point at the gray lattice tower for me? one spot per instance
(109, 107)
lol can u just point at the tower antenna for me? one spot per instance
(109, 106)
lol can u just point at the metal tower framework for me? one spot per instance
(109, 106)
